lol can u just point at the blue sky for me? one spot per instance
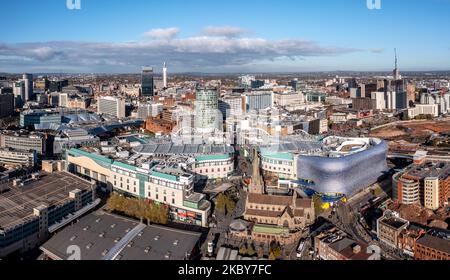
(119, 36)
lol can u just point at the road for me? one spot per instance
(223, 223)
(348, 220)
(305, 252)
(347, 217)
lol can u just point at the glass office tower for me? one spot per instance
(147, 81)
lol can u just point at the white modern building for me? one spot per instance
(146, 110)
(166, 184)
(63, 100)
(19, 93)
(259, 100)
(246, 81)
(380, 102)
(232, 106)
(437, 98)
(111, 105)
(288, 99)
(28, 81)
(165, 75)
(423, 109)
(391, 100)
(214, 166)
(17, 158)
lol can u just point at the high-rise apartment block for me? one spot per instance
(110, 105)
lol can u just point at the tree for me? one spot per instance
(225, 204)
(141, 209)
(251, 251)
(163, 214)
(275, 250)
(132, 207)
(243, 250)
(317, 204)
(138, 208)
(260, 251)
(157, 214)
(113, 202)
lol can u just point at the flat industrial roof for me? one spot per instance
(394, 222)
(439, 170)
(434, 242)
(17, 203)
(99, 233)
(170, 148)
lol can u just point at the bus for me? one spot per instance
(375, 200)
(300, 248)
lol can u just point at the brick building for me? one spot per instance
(280, 218)
(427, 184)
(430, 247)
(334, 244)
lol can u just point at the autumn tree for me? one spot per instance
(225, 204)
(260, 251)
(243, 250)
(251, 251)
(275, 251)
(138, 208)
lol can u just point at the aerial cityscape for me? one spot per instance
(236, 130)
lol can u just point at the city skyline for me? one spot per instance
(244, 37)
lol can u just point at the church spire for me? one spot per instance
(257, 183)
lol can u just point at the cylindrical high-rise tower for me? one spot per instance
(165, 75)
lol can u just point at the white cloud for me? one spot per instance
(198, 53)
(45, 53)
(224, 31)
(163, 33)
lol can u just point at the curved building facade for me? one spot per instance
(346, 174)
(405, 190)
(206, 108)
